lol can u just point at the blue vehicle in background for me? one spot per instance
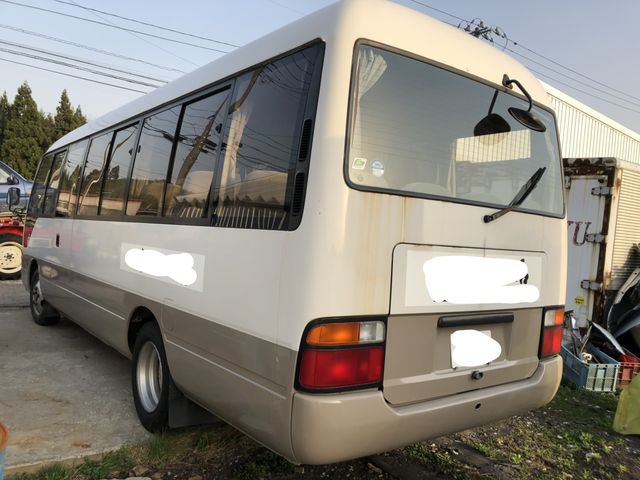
(10, 178)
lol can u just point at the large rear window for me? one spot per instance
(416, 130)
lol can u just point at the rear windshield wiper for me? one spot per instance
(520, 197)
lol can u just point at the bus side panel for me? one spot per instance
(243, 382)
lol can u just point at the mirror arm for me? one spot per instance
(506, 81)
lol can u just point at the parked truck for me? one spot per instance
(603, 277)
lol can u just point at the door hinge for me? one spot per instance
(601, 191)
(591, 285)
(596, 238)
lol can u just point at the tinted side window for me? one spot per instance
(196, 157)
(263, 136)
(146, 189)
(117, 173)
(70, 180)
(51, 195)
(39, 186)
(92, 176)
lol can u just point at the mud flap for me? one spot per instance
(185, 413)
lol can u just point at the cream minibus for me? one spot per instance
(344, 237)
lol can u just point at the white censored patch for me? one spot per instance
(471, 348)
(476, 280)
(169, 266)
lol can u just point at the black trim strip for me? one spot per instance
(449, 322)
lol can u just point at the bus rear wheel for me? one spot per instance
(150, 379)
(41, 312)
(10, 257)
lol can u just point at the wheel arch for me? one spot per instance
(137, 319)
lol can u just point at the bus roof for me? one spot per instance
(341, 23)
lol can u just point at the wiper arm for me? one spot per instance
(520, 197)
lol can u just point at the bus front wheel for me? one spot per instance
(150, 378)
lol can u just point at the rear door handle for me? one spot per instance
(447, 322)
(57, 239)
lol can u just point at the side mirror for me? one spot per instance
(12, 180)
(13, 197)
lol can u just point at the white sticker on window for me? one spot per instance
(377, 168)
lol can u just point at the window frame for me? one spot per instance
(310, 111)
(426, 196)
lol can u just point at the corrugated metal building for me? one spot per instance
(585, 132)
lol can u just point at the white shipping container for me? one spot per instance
(603, 205)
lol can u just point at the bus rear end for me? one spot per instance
(462, 178)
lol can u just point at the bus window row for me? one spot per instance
(228, 157)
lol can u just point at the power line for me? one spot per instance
(74, 4)
(286, 7)
(582, 91)
(572, 70)
(87, 47)
(440, 11)
(571, 78)
(110, 25)
(558, 64)
(72, 76)
(148, 42)
(77, 67)
(80, 60)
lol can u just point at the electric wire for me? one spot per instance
(148, 42)
(148, 24)
(76, 67)
(72, 76)
(518, 44)
(528, 59)
(80, 60)
(583, 91)
(110, 25)
(92, 49)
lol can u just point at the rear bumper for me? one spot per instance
(332, 428)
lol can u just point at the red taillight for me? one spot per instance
(552, 323)
(338, 354)
(341, 368)
(551, 341)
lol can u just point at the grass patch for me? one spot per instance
(440, 461)
(264, 464)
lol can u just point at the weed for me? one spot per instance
(264, 464)
(117, 461)
(439, 461)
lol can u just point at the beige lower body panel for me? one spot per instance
(332, 428)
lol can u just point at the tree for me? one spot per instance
(66, 118)
(5, 109)
(23, 134)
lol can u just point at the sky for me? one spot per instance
(596, 40)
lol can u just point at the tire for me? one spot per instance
(10, 257)
(41, 312)
(150, 379)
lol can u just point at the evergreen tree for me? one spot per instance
(49, 130)
(23, 134)
(79, 118)
(66, 118)
(5, 108)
